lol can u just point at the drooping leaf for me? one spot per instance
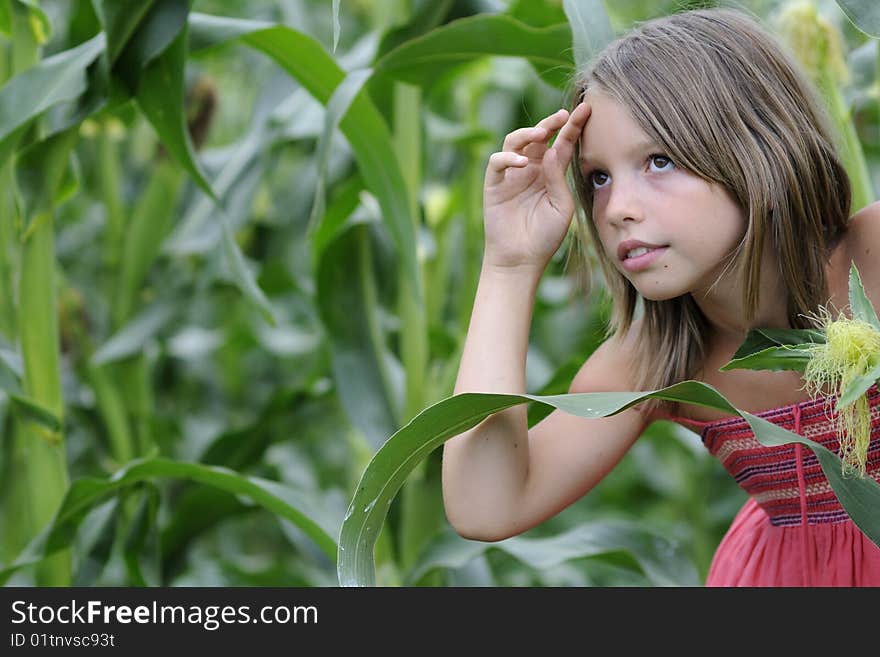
(391, 465)
(86, 493)
(161, 96)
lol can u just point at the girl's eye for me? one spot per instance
(662, 163)
(598, 179)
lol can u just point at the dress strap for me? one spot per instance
(802, 492)
(687, 420)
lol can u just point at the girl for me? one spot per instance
(717, 203)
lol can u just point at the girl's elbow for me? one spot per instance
(479, 529)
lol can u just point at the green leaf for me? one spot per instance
(858, 300)
(590, 29)
(367, 133)
(772, 358)
(86, 493)
(58, 79)
(32, 410)
(11, 370)
(130, 339)
(160, 95)
(120, 19)
(6, 17)
(337, 107)
(424, 60)
(141, 543)
(864, 14)
(349, 310)
(659, 558)
(391, 465)
(775, 349)
(41, 26)
(45, 175)
(858, 387)
(242, 275)
(163, 23)
(198, 231)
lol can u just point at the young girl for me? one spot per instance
(717, 203)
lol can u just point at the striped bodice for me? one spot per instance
(787, 481)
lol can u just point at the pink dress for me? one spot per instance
(792, 531)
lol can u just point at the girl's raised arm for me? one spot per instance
(500, 478)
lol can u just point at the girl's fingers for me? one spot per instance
(537, 134)
(519, 139)
(520, 144)
(499, 162)
(571, 132)
(557, 188)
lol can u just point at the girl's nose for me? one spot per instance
(624, 202)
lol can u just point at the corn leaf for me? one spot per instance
(391, 465)
(349, 310)
(87, 493)
(59, 79)
(160, 95)
(858, 387)
(367, 133)
(858, 300)
(771, 358)
(775, 349)
(590, 28)
(130, 339)
(120, 19)
(659, 559)
(864, 14)
(32, 410)
(424, 60)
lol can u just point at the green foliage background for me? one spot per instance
(231, 265)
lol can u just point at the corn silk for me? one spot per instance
(851, 350)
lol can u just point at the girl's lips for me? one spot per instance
(643, 261)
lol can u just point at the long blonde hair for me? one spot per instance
(729, 105)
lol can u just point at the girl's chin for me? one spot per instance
(659, 293)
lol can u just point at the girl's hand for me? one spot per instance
(527, 204)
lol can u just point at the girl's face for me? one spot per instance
(666, 230)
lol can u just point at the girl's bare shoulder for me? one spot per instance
(862, 247)
(612, 368)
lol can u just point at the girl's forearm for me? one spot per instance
(485, 468)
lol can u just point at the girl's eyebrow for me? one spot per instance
(638, 148)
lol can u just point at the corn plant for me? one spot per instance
(238, 252)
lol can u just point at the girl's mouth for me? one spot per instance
(642, 257)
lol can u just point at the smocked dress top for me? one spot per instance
(792, 531)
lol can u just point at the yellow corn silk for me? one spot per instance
(851, 350)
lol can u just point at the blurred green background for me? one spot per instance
(198, 384)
